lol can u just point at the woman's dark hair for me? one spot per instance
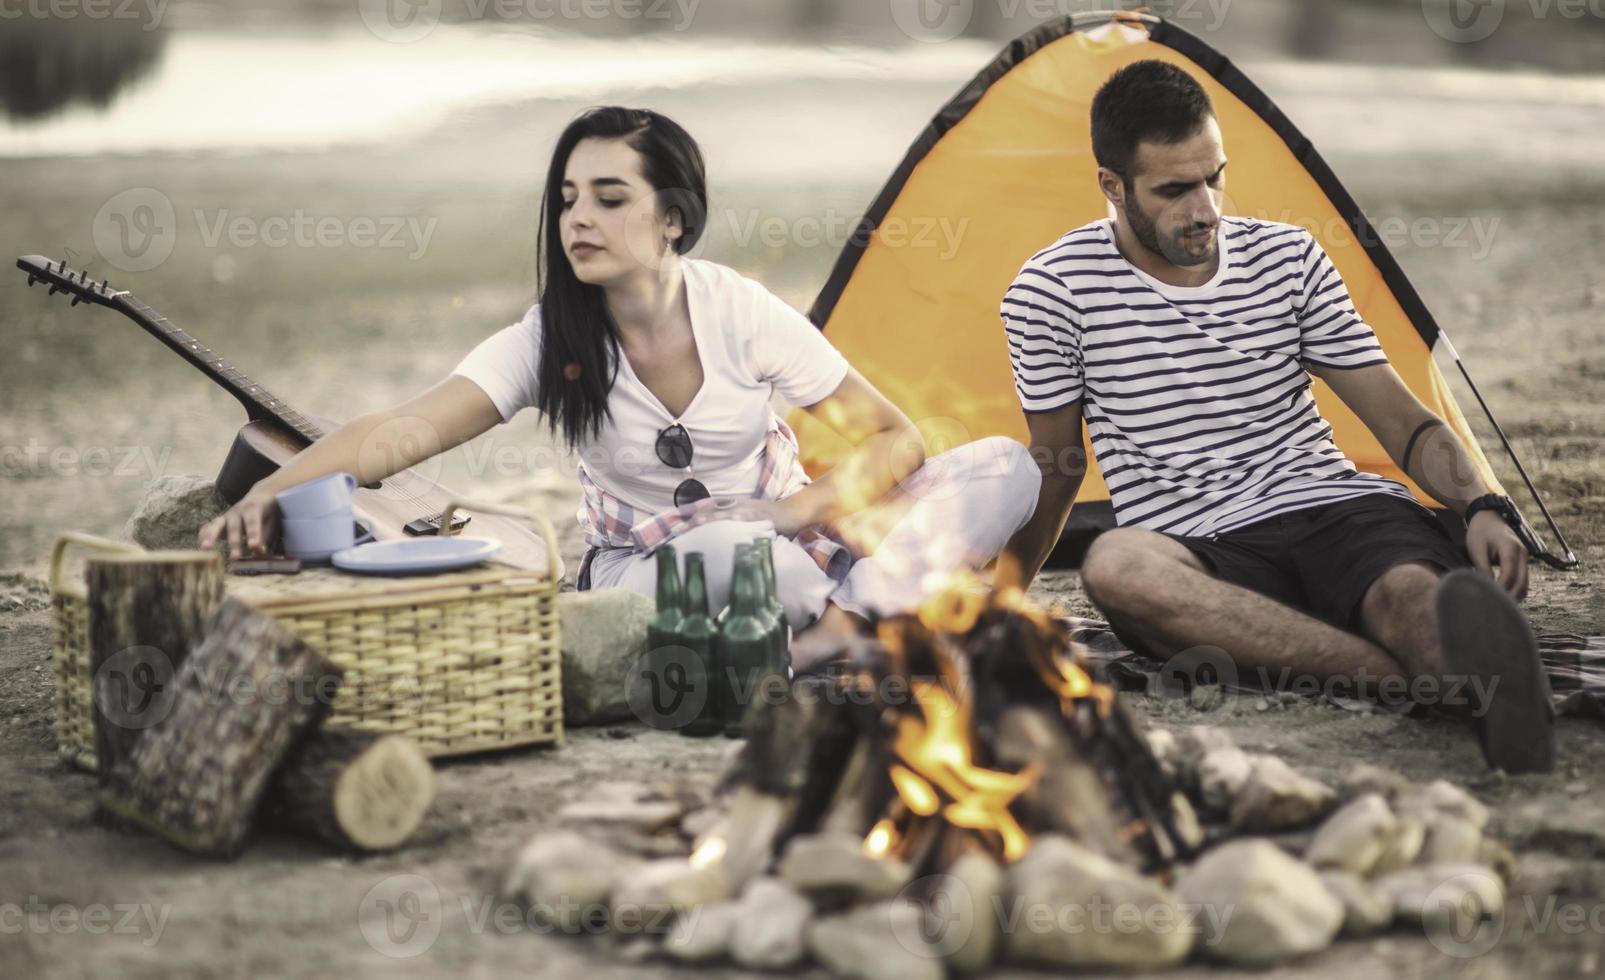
(579, 340)
(1146, 100)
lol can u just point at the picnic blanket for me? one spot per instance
(1576, 667)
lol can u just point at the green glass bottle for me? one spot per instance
(699, 636)
(740, 549)
(777, 609)
(662, 668)
(745, 647)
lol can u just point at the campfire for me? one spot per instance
(958, 791)
(969, 726)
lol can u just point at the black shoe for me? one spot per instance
(1489, 647)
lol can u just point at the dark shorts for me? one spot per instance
(1321, 560)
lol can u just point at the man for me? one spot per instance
(1185, 340)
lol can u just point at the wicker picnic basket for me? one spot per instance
(461, 662)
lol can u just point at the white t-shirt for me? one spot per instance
(751, 344)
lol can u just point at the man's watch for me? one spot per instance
(1499, 504)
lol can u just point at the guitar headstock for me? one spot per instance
(65, 280)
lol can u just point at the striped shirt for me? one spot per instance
(1197, 399)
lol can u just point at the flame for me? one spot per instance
(916, 793)
(709, 852)
(937, 750)
(880, 838)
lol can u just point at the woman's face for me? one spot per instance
(610, 226)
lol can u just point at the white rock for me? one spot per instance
(1163, 745)
(1354, 838)
(1073, 907)
(883, 941)
(1443, 796)
(1450, 840)
(1404, 847)
(1275, 798)
(565, 877)
(1366, 908)
(962, 915)
(836, 863)
(773, 925)
(1222, 774)
(1448, 897)
(604, 636)
(703, 934)
(1279, 908)
(171, 512)
(1363, 778)
(643, 895)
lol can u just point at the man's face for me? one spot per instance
(1173, 202)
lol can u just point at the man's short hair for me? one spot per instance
(1146, 100)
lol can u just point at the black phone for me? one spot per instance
(431, 525)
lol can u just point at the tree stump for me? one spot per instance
(357, 790)
(239, 701)
(147, 610)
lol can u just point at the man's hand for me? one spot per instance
(1496, 551)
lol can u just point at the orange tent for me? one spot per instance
(1005, 169)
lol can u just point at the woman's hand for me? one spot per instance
(787, 518)
(247, 527)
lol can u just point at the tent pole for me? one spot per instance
(1534, 544)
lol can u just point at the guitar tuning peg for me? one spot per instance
(32, 279)
(76, 300)
(54, 289)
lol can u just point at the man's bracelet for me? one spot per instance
(1499, 504)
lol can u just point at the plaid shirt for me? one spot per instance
(610, 522)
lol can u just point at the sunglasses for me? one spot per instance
(674, 449)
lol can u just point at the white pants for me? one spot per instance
(967, 503)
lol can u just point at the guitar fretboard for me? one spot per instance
(258, 401)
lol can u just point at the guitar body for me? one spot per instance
(262, 446)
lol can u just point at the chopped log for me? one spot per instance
(357, 790)
(240, 699)
(147, 610)
(1070, 796)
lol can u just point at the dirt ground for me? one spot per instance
(1525, 314)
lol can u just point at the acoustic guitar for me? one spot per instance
(404, 504)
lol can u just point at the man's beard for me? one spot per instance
(1173, 249)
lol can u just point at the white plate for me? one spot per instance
(411, 556)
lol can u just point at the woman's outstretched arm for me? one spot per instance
(372, 447)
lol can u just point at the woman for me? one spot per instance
(659, 370)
